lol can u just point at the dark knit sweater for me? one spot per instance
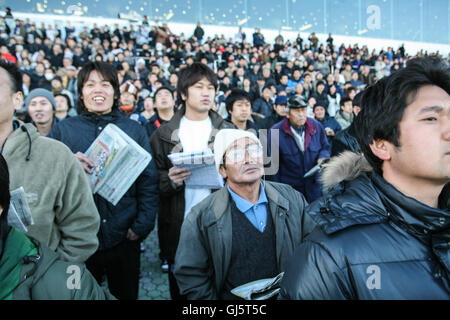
(253, 253)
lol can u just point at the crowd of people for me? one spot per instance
(275, 115)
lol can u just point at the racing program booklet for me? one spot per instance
(118, 162)
(202, 165)
(19, 213)
(262, 289)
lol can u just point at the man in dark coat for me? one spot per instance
(302, 144)
(192, 128)
(383, 228)
(280, 112)
(244, 232)
(126, 224)
(199, 33)
(239, 108)
(263, 105)
(331, 126)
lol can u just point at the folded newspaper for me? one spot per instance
(262, 289)
(19, 213)
(202, 165)
(118, 162)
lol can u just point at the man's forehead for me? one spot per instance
(243, 100)
(429, 98)
(242, 142)
(5, 78)
(203, 80)
(39, 99)
(3, 74)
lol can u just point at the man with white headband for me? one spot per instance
(264, 221)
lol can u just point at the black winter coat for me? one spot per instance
(372, 242)
(164, 141)
(345, 140)
(138, 207)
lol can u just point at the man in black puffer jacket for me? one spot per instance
(127, 223)
(384, 226)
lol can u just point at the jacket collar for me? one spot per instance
(417, 217)
(169, 131)
(310, 130)
(221, 203)
(113, 115)
(429, 225)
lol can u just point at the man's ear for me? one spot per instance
(222, 171)
(17, 100)
(381, 149)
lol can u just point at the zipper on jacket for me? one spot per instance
(34, 258)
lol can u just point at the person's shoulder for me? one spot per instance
(70, 121)
(129, 124)
(348, 205)
(360, 242)
(316, 124)
(211, 208)
(282, 188)
(278, 125)
(52, 279)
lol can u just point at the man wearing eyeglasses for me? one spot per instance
(245, 231)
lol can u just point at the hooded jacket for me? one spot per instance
(58, 193)
(372, 241)
(30, 271)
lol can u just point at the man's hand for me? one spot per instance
(86, 163)
(178, 175)
(330, 132)
(131, 235)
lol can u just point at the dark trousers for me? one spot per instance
(121, 265)
(173, 286)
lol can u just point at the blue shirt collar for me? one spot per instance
(244, 205)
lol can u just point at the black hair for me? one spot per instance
(383, 104)
(14, 75)
(267, 86)
(65, 96)
(192, 74)
(357, 99)
(320, 82)
(162, 88)
(108, 72)
(344, 100)
(4, 197)
(235, 95)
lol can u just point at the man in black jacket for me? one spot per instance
(192, 128)
(124, 225)
(383, 227)
(239, 108)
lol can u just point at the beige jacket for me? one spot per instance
(58, 193)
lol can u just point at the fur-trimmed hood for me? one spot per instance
(344, 167)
